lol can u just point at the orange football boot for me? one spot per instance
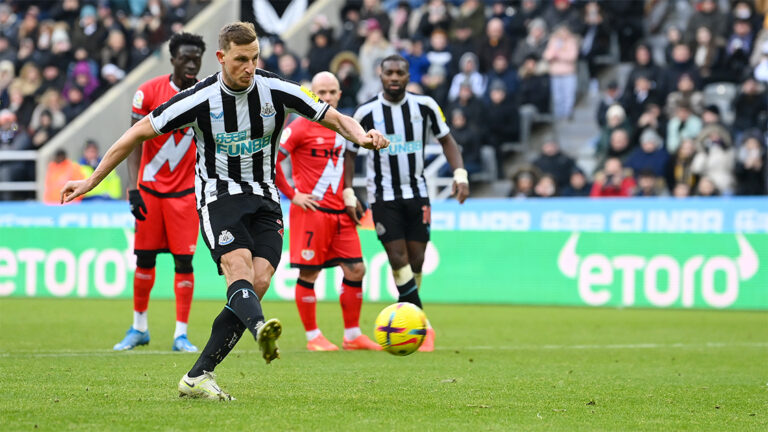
(429, 341)
(361, 342)
(320, 343)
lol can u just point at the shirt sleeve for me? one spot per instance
(178, 112)
(300, 100)
(291, 137)
(142, 102)
(437, 122)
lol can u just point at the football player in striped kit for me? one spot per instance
(237, 115)
(397, 190)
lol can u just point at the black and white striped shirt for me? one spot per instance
(397, 172)
(237, 132)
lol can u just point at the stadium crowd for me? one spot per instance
(685, 115)
(57, 57)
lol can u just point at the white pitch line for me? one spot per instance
(705, 345)
(618, 346)
(115, 354)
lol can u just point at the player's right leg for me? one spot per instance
(143, 280)
(310, 235)
(149, 239)
(306, 303)
(391, 221)
(182, 241)
(351, 299)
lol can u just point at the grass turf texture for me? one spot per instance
(495, 368)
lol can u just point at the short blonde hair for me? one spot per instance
(239, 33)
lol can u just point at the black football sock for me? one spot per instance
(409, 292)
(245, 304)
(225, 333)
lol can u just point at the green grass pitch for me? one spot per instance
(495, 368)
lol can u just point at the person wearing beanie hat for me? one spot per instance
(88, 33)
(650, 155)
(711, 115)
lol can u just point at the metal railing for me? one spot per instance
(17, 155)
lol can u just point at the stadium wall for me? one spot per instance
(107, 118)
(656, 253)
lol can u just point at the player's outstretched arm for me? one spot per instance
(133, 137)
(350, 129)
(460, 186)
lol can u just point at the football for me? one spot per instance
(400, 328)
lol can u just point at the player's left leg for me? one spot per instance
(183, 288)
(351, 299)
(417, 236)
(416, 250)
(182, 242)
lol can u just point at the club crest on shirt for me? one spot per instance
(226, 238)
(268, 110)
(307, 254)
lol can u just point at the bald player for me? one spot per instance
(322, 234)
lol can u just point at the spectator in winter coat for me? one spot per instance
(679, 168)
(496, 42)
(535, 85)
(468, 73)
(502, 71)
(644, 65)
(650, 156)
(708, 16)
(749, 108)
(501, 119)
(577, 186)
(534, 43)
(717, 158)
(471, 105)
(613, 181)
(554, 162)
(470, 140)
(321, 52)
(750, 167)
(684, 124)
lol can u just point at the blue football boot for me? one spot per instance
(183, 344)
(132, 339)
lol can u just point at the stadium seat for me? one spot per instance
(721, 94)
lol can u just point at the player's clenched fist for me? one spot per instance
(375, 140)
(73, 189)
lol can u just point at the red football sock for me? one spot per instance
(183, 287)
(143, 280)
(305, 302)
(351, 299)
